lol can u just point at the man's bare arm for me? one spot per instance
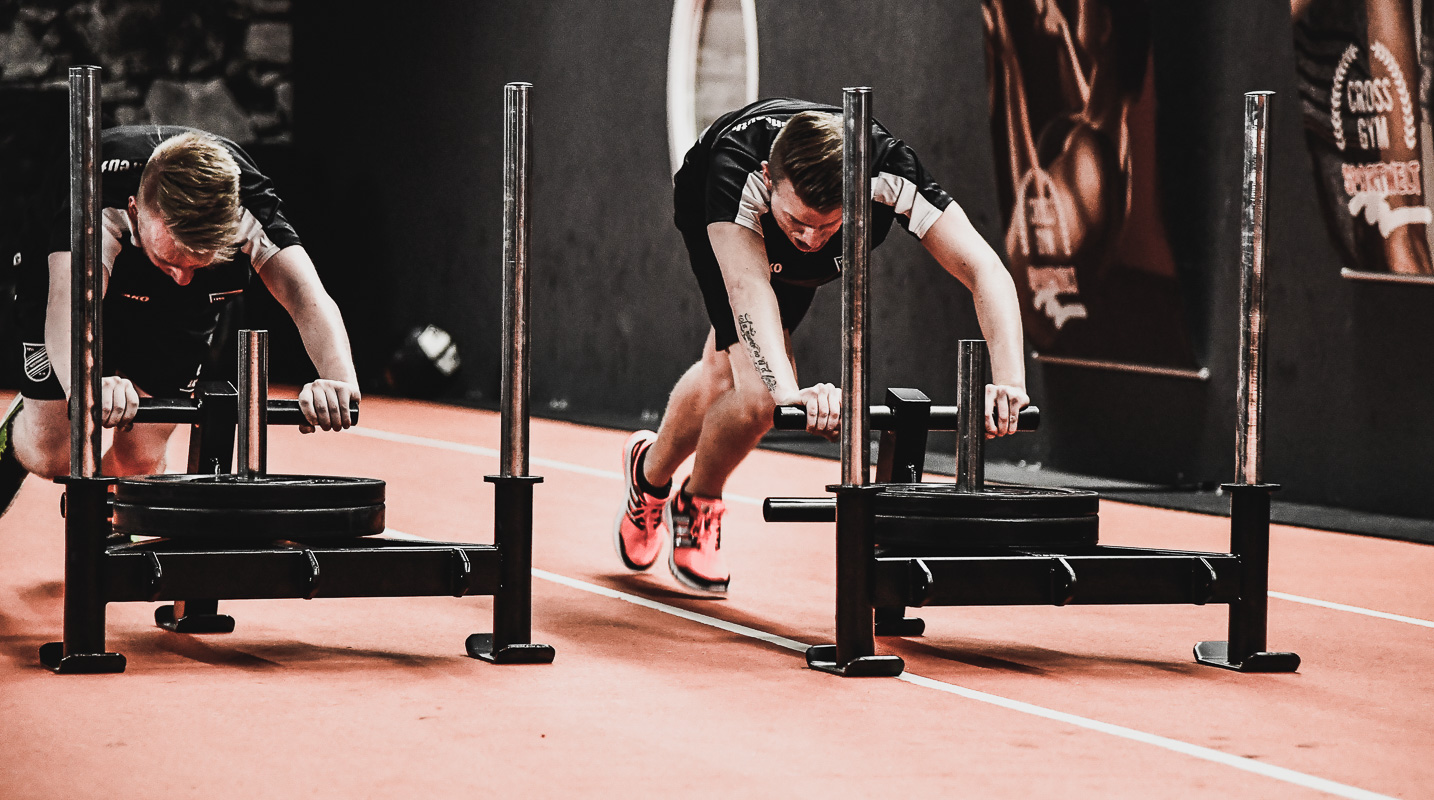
(961, 251)
(743, 259)
(57, 319)
(290, 276)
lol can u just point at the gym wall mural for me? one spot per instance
(1072, 102)
(1364, 78)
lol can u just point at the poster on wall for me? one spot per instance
(1364, 77)
(1073, 122)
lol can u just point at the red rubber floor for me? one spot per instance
(649, 697)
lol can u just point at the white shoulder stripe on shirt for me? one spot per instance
(254, 242)
(115, 224)
(902, 196)
(892, 190)
(252, 239)
(755, 202)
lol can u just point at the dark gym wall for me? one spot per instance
(402, 116)
(398, 122)
(1348, 410)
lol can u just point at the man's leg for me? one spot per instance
(687, 409)
(638, 532)
(141, 450)
(41, 437)
(735, 423)
(42, 443)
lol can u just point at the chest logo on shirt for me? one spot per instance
(116, 165)
(139, 298)
(215, 297)
(776, 267)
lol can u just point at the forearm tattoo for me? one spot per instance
(749, 335)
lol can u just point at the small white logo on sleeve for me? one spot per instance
(37, 362)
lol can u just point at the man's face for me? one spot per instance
(808, 228)
(159, 245)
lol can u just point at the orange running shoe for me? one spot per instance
(638, 532)
(696, 558)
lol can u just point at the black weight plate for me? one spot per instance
(228, 491)
(951, 536)
(249, 524)
(944, 501)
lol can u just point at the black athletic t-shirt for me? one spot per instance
(157, 332)
(721, 181)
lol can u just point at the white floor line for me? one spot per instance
(1310, 601)
(1174, 745)
(579, 469)
(442, 444)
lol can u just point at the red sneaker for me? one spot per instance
(638, 532)
(696, 559)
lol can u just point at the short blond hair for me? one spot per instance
(807, 153)
(192, 181)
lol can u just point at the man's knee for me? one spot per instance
(754, 408)
(140, 451)
(44, 462)
(42, 438)
(716, 382)
(136, 462)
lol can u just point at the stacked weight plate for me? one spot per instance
(939, 517)
(260, 508)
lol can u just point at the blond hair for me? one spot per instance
(807, 153)
(192, 181)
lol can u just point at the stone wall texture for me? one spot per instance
(220, 65)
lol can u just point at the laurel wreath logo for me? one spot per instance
(1386, 58)
(1336, 95)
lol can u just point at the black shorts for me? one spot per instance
(39, 381)
(133, 351)
(792, 300)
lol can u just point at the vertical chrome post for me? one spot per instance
(517, 175)
(253, 403)
(971, 420)
(87, 524)
(1249, 449)
(854, 652)
(855, 254)
(1244, 648)
(511, 641)
(85, 286)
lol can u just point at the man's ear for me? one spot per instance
(766, 176)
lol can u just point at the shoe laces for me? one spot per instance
(644, 509)
(707, 521)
